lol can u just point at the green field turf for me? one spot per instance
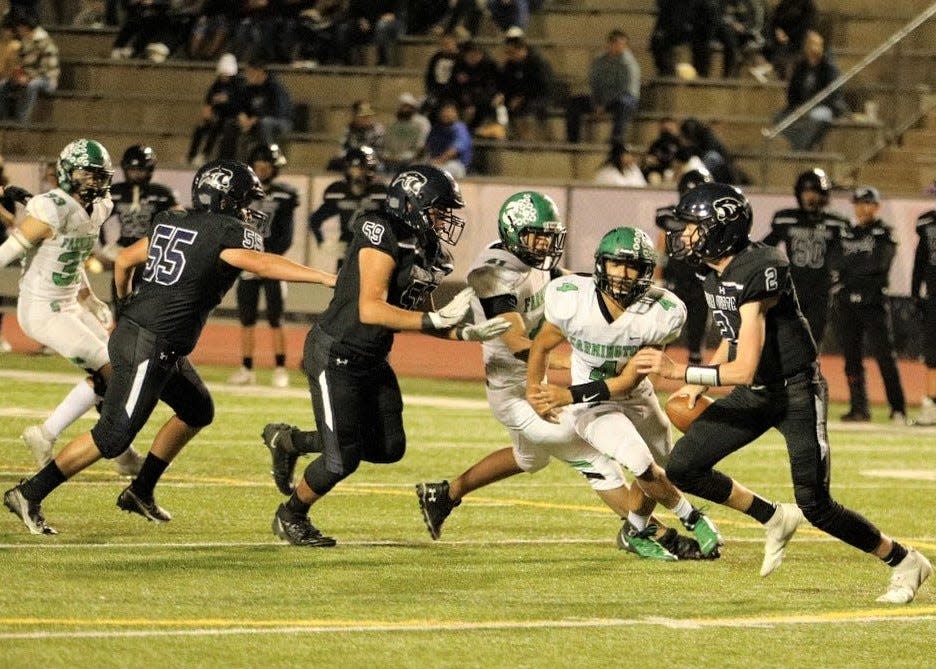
(526, 574)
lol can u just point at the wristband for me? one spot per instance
(460, 331)
(703, 375)
(427, 324)
(594, 391)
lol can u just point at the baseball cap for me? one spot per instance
(227, 65)
(362, 109)
(409, 99)
(514, 32)
(866, 194)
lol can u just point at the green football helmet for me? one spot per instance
(84, 169)
(634, 248)
(530, 227)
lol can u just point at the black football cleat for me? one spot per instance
(28, 512)
(299, 530)
(148, 508)
(435, 504)
(683, 547)
(277, 437)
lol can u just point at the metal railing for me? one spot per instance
(798, 113)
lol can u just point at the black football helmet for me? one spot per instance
(815, 180)
(228, 187)
(693, 178)
(418, 189)
(363, 157)
(723, 218)
(139, 157)
(268, 153)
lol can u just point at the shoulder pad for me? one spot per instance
(563, 296)
(786, 217)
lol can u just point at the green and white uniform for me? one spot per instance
(48, 310)
(632, 429)
(497, 276)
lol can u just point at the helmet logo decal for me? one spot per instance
(412, 183)
(521, 212)
(218, 178)
(726, 209)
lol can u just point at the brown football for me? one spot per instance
(679, 413)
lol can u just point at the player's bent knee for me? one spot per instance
(393, 450)
(199, 414)
(112, 438)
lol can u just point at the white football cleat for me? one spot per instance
(243, 377)
(39, 444)
(780, 529)
(906, 578)
(128, 463)
(280, 378)
(5, 346)
(927, 412)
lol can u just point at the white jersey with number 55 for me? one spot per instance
(51, 270)
(601, 348)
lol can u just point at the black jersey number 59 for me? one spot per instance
(166, 256)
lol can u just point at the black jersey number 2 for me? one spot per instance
(166, 259)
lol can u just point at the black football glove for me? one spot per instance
(18, 194)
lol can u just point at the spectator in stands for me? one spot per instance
(509, 14)
(264, 113)
(813, 72)
(701, 141)
(90, 14)
(376, 22)
(658, 161)
(739, 29)
(9, 48)
(219, 108)
(406, 136)
(449, 144)
(363, 130)
(423, 15)
(614, 80)
(146, 31)
(620, 169)
(38, 70)
(525, 86)
(213, 25)
(468, 13)
(679, 22)
(438, 78)
(318, 33)
(476, 80)
(24, 8)
(786, 33)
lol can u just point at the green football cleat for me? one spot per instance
(704, 531)
(642, 543)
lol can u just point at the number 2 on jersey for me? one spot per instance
(166, 260)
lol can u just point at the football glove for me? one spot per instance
(99, 310)
(18, 194)
(489, 329)
(452, 313)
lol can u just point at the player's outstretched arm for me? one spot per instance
(273, 266)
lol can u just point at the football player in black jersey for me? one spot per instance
(769, 356)
(808, 233)
(137, 200)
(395, 261)
(277, 231)
(861, 262)
(192, 260)
(924, 274)
(680, 276)
(359, 190)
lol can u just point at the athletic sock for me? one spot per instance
(761, 510)
(39, 486)
(280, 359)
(896, 555)
(145, 482)
(306, 442)
(639, 522)
(248, 362)
(296, 507)
(80, 399)
(683, 509)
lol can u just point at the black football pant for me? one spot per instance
(816, 311)
(798, 411)
(248, 300)
(358, 411)
(854, 321)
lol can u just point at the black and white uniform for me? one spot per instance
(808, 238)
(355, 395)
(924, 274)
(135, 207)
(183, 281)
(279, 205)
(862, 260)
(788, 393)
(340, 200)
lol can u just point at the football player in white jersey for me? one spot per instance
(510, 278)
(56, 306)
(607, 318)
